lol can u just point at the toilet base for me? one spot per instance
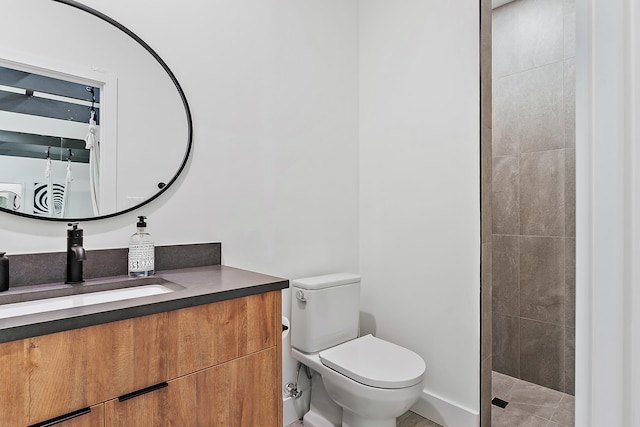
(350, 419)
(323, 411)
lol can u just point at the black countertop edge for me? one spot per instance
(77, 322)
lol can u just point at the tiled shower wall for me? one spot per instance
(533, 206)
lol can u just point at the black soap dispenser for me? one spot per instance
(4, 272)
(75, 254)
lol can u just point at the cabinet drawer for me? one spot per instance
(241, 393)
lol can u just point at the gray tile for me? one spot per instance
(527, 34)
(487, 306)
(530, 403)
(485, 391)
(506, 345)
(540, 104)
(570, 361)
(528, 111)
(542, 279)
(534, 399)
(486, 76)
(540, 35)
(486, 196)
(570, 193)
(569, 28)
(505, 208)
(296, 424)
(512, 417)
(411, 419)
(504, 27)
(506, 275)
(570, 282)
(486, 93)
(542, 353)
(569, 100)
(506, 116)
(542, 200)
(502, 384)
(565, 414)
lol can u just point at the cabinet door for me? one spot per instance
(210, 334)
(240, 393)
(14, 386)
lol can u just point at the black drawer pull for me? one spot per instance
(62, 418)
(143, 391)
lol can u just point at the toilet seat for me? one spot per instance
(375, 362)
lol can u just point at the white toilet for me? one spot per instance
(358, 382)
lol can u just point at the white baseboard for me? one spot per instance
(444, 412)
(289, 413)
(294, 409)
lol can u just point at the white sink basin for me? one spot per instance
(79, 300)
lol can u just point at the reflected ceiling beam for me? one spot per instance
(36, 146)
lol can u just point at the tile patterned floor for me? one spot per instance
(530, 405)
(410, 419)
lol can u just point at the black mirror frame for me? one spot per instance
(153, 53)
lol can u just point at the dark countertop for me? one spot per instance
(193, 286)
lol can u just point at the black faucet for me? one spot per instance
(75, 254)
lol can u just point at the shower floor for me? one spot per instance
(529, 405)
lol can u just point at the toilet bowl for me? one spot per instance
(358, 381)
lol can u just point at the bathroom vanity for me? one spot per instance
(206, 354)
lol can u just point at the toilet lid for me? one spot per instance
(374, 362)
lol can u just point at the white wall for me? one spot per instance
(419, 185)
(274, 169)
(274, 175)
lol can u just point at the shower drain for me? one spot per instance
(499, 402)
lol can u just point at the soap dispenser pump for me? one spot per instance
(141, 251)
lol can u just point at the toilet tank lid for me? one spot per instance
(326, 281)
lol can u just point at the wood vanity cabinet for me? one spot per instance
(216, 364)
(235, 393)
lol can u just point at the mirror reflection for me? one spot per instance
(49, 139)
(91, 123)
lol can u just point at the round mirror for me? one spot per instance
(93, 123)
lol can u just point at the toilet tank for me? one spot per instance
(325, 311)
